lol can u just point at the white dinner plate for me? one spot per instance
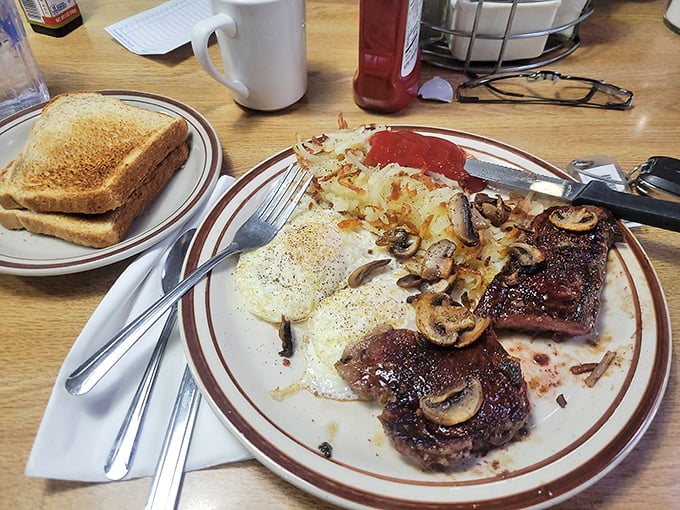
(234, 358)
(24, 253)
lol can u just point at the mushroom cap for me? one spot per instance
(573, 219)
(439, 319)
(526, 254)
(402, 243)
(438, 260)
(456, 404)
(460, 215)
(362, 273)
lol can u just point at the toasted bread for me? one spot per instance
(98, 230)
(87, 153)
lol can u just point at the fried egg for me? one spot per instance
(308, 260)
(343, 318)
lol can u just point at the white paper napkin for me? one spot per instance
(77, 432)
(161, 29)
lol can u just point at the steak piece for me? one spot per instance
(562, 293)
(397, 367)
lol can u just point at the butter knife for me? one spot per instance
(166, 483)
(649, 211)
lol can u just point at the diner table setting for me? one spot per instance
(65, 309)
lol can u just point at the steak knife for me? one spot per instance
(649, 211)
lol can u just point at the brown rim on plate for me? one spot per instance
(622, 420)
(182, 196)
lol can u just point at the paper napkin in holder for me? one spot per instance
(77, 432)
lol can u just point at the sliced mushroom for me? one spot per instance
(413, 281)
(471, 335)
(479, 222)
(461, 219)
(526, 254)
(465, 299)
(493, 209)
(286, 337)
(402, 243)
(410, 281)
(438, 260)
(441, 285)
(456, 405)
(512, 369)
(440, 319)
(361, 274)
(573, 219)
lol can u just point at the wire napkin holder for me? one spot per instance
(557, 45)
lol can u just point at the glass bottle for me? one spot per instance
(388, 75)
(21, 82)
(52, 17)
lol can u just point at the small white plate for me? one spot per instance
(234, 359)
(24, 253)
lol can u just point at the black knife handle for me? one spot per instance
(649, 211)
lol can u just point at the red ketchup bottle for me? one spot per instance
(388, 75)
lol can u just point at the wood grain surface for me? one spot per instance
(624, 42)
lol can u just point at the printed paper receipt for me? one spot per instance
(160, 30)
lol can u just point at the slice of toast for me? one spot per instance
(98, 230)
(87, 153)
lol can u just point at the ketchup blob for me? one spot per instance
(428, 153)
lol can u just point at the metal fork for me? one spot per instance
(258, 230)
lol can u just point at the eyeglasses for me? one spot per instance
(548, 87)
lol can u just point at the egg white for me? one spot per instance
(308, 260)
(344, 318)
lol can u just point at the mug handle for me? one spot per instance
(200, 34)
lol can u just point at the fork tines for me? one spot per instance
(284, 195)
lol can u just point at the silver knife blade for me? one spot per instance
(527, 181)
(650, 211)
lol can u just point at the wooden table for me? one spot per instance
(624, 42)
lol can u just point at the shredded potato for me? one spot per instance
(396, 196)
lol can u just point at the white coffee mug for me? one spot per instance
(672, 15)
(263, 45)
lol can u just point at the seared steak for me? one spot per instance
(561, 294)
(398, 367)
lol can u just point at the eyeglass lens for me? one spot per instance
(529, 89)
